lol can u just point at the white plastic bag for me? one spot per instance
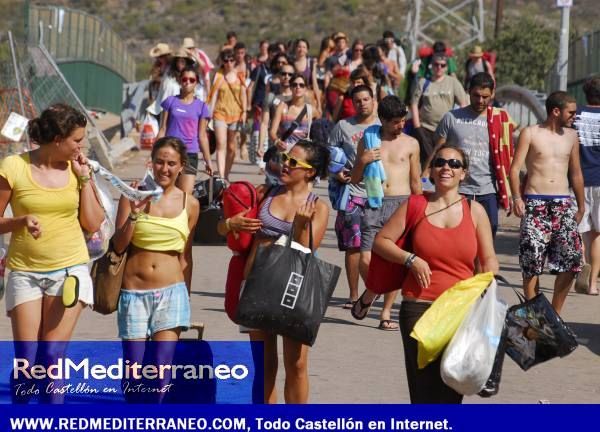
(97, 242)
(149, 131)
(469, 357)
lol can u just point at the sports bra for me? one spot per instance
(272, 226)
(160, 234)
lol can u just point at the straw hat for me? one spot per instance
(188, 42)
(340, 35)
(160, 49)
(181, 52)
(477, 52)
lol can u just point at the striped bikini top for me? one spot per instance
(272, 226)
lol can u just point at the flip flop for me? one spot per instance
(388, 325)
(594, 292)
(362, 311)
(582, 283)
(349, 304)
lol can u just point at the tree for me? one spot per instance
(526, 50)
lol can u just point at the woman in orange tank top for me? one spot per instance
(450, 236)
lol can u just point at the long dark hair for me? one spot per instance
(317, 155)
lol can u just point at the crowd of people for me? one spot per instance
(376, 149)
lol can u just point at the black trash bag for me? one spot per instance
(287, 292)
(210, 194)
(535, 333)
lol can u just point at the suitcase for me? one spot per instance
(209, 193)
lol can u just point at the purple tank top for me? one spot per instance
(272, 226)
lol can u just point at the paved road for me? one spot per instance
(352, 361)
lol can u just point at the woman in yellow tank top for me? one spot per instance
(154, 302)
(51, 198)
(228, 103)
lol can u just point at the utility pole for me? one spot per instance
(499, 12)
(562, 65)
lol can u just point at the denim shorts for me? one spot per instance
(142, 313)
(24, 286)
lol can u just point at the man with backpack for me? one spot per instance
(350, 199)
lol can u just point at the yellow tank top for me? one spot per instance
(155, 233)
(62, 243)
(228, 107)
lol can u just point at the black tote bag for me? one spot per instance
(535, 333)
(287, 292)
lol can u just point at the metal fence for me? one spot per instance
(30, 81)
(71, 35)
(584, 61)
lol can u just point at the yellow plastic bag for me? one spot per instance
(435, 328)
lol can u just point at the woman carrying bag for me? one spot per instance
(52, 199)
(154, 302)
(450, 235)
(292, 204)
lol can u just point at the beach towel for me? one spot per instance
(373, 174)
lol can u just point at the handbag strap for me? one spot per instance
(310, 237)
(294, 124)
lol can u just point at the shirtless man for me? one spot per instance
(550, 152)
(399, 155)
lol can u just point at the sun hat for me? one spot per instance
(181, 52)
(188, 42)
(477, 52)
(160, 49)
(340, 35)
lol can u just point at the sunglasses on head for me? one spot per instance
(286, 74)
(293, 162)
(442, 65)
(186, 80)
(452, 163)
(297, 85)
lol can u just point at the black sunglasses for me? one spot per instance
(298, 85)
(452, 163)
(289, 74)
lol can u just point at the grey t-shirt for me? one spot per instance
(438, 99)
(346, 134)
(466, 129)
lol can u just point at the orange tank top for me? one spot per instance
(450, 253)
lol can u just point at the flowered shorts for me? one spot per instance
(347, 224)
(549, 230)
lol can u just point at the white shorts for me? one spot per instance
(591, 217)
(24, 286)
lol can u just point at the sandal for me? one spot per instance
(582, 282)
(362, 311)
(349, 304)
(388, 325)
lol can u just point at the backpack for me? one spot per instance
(240, 196)
(320, 130)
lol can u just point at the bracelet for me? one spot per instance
(133, 217)
(517, 198)
(84, 179)
(228, 224)
(410, 260)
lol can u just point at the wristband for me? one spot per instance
(409, 261)
(84, 179)
(517, 198)
(228, 224)
(133, 217)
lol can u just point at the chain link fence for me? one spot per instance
(30, 81)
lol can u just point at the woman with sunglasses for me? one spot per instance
(228, 102)
(186, 117)
(306, 66)
(292, 203)
(450, 235)
(170, 81)
(286, 116)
